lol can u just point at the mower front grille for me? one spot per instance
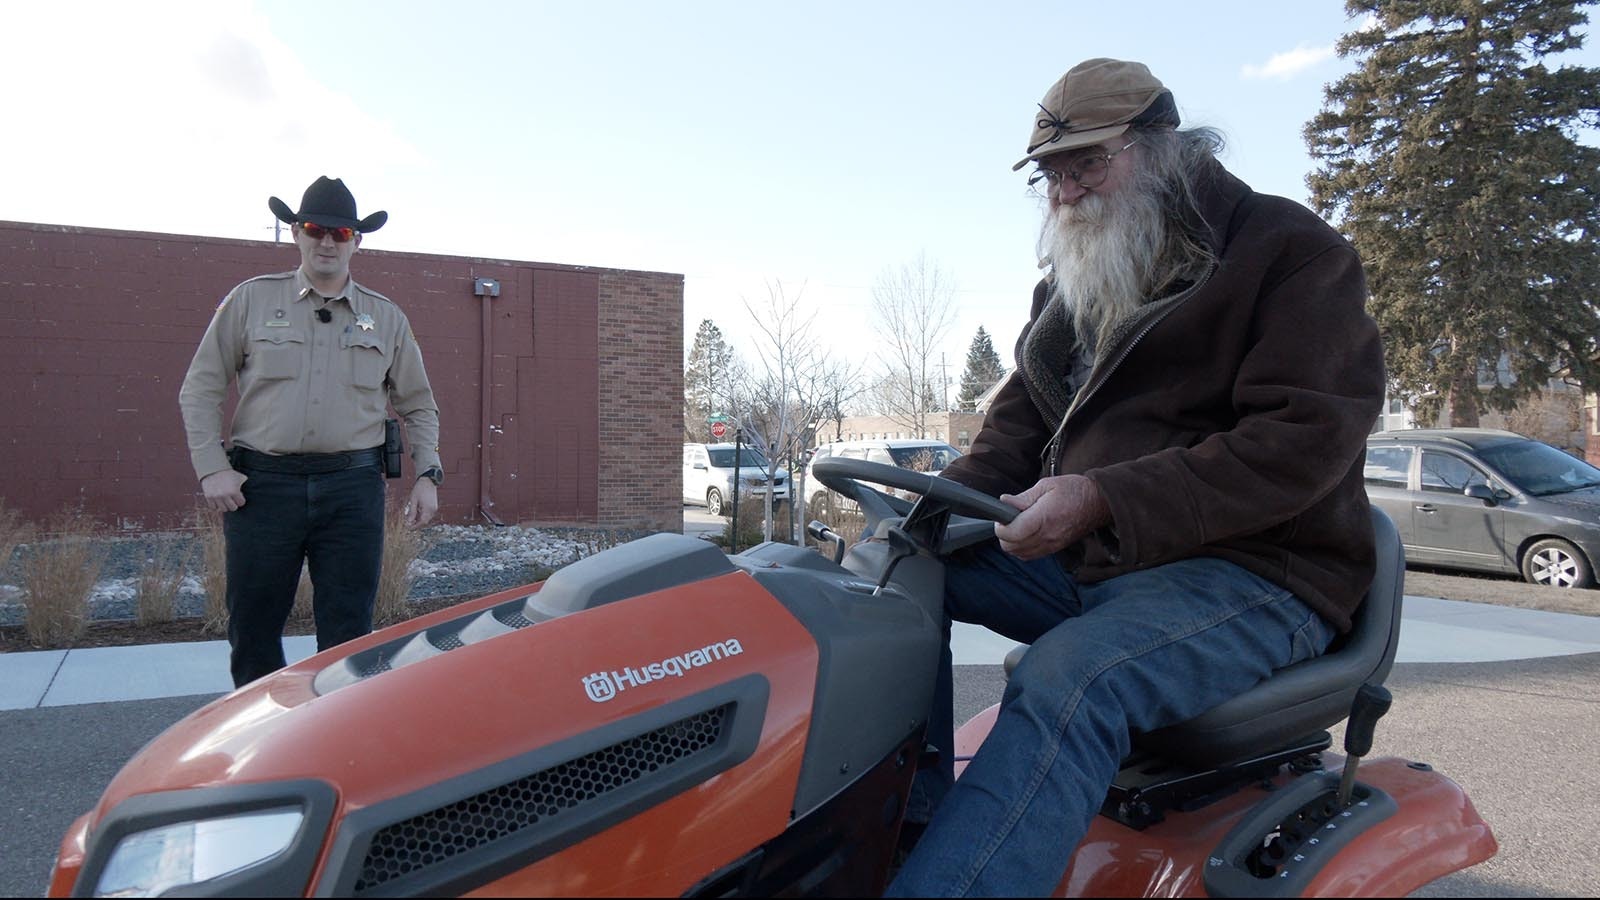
(434, 837)
(512, 617)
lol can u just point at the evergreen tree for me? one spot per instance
(1450, 159)
(706, 381)
(983, 371)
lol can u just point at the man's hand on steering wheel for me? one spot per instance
(1056, 512)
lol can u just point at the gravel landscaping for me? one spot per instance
(464, 561)
(458, 560)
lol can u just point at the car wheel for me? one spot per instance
(714, 502)
(1556, 563)
(820, 504)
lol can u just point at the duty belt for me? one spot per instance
(304, 463)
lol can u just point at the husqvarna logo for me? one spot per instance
(602, 686)
(599, 687)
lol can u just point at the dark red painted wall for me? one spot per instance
(97, 328)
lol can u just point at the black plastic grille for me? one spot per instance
(372, 668)
(434, 837)
(512, 617)
(451, 641)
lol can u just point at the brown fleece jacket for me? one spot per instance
(1228, 420)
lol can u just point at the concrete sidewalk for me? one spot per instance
(1435, 631)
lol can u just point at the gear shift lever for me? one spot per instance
(1372, 701)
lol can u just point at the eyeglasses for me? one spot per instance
(318, 232)
(1089, 172)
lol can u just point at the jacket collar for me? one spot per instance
(353, 294)
(1218, 195)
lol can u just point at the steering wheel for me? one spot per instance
(845, 476)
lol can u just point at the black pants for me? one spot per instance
(331, 520)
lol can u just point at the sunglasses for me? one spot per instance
(318, 232)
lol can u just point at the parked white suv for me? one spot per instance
(907, 453)
(708, 476)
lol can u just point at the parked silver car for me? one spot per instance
(908, 453)
(708, 476)
(1492, 501)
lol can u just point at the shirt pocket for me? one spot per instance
(367, 361)
(276, 353)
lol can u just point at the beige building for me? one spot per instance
(954, 428)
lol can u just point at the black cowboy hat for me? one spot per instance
(328, 202)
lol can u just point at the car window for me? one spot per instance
(880, 455)
(1447, 473)
(924, 459)
(1388, 465)
(748, 459)
(853, 454)
(1539, 468)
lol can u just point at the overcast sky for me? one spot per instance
(741, 144)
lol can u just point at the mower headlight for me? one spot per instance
(150, 863)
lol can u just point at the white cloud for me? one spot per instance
(177, 116)
(1284, 66)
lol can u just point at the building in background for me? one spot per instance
(578, 420)
(954, 428)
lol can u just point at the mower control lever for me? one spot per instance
(819, 532)
(901, 546)
(1371, 702)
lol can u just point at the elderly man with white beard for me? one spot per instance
(1183, 437)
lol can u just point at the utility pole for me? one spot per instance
(944, 391)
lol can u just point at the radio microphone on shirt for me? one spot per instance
(324, 316)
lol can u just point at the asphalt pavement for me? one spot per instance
(1500, 699)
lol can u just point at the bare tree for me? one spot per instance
(913, 309)
(791, 386)
(841, 386)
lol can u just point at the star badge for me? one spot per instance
(364, 322)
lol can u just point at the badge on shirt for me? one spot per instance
(278, 320)
(364, 322)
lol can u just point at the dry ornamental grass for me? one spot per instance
(402, 545)
(58, 574)
(752, 517)
(213, 573)
(13, 531)
(304, 608)
(161, 576)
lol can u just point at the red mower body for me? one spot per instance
(659, 719)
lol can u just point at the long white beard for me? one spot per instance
(1105, 250)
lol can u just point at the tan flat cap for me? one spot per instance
(1097, 99)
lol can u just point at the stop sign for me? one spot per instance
(718, 429)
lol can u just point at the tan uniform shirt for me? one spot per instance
(306, 386)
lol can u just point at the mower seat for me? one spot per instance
(1303, 698)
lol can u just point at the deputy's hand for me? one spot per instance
(223, 489)
(424, 503)
(1056, 512)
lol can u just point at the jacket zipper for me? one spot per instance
(1052, 449)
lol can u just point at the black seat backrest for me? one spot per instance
(1308, 696)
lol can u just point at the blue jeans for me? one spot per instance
(333, 523)
(1138, 652)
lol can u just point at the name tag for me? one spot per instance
(277, 324)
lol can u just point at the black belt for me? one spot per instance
(304, 463)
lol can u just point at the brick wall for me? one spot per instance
(97, 328)
(641, 375)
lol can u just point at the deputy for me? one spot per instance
(317, 358)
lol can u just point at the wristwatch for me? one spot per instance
(433, 474)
